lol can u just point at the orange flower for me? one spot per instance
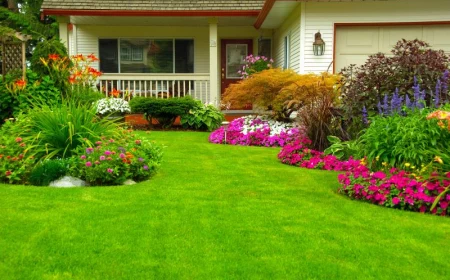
(72, 79)
(114, 92)
(21, 84)
(92, 57)
(53, 56)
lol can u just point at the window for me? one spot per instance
(286, 52)
(139, 55)
(265, 47)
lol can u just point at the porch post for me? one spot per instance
(213, 63)
(63, 32)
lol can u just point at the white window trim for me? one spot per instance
(287, 51)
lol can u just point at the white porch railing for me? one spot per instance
(159, 86)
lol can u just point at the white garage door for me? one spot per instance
(354, 44)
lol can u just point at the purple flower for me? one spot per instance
(145, 167)
(140, 159)
(88, 164)
(364, 115)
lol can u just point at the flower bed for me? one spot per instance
(395, 189)
(257, 131)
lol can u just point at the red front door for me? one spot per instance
(233, 54)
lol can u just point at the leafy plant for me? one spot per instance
(202, 117)
(47, 171)
(164, 110)
(411, 63)
(341, 149)
(410, 140)
(63, 127)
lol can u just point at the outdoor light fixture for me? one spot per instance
(318, 45)
(225, 128)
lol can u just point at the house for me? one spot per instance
(172, 48)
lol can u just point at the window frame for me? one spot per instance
(286, 51)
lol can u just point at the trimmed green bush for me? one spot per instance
(164, 110)
(47, 171)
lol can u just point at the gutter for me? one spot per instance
(267, 7)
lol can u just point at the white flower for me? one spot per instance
(112, 105)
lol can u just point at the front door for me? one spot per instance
(233, 54)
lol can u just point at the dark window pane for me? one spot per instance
(184, 56)
(108, 56)
(146, 56)
(265, 48)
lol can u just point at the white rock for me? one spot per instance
(129, 182)
(68, 182)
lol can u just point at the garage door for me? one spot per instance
(354, 44)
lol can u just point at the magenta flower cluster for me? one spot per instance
(395, 188)
(297, 153)
(255, 64)
(257, 133)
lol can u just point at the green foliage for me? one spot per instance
(342, 150)
(202, 117)
(112, 161)
(382, 75)
(397, 140)
(84, 94)
(164, 110)
(17, 152)
(47, 171)
(63, 127)
(43, 50)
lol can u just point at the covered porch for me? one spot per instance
(165, 57)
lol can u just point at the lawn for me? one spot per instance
(215, 212)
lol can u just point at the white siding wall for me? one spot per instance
(291, 28)
(87, 39)
(323, 15)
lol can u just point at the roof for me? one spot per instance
(154, 5)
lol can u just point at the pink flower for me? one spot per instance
(88, 164)
(98, 143)
(122, 155)
(443, 204)
(379, 175)
(89, 150)
(108, 153)
(18, 139)
(102, 157)
(83, 157)
(109, 170)
(138, 142)
(396, 200)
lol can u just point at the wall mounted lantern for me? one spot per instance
(318, 45)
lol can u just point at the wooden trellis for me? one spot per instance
(13, 53)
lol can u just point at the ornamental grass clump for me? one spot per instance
(257, 131)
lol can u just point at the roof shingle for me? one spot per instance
(154, 5)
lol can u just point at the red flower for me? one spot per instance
(72, 79)
(92, 57)
(114, 92)
(53, 56)
(8, 173)
(21, 84)
(18, 139)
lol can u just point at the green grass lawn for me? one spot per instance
(215, 212)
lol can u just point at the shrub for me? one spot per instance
(263, 89)
(164, 110)
(397, 140)
(380, 75)
(43, 50)
(342, 150)
(257, 131)
(112, 161)
(47, 171)
(202, 117)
